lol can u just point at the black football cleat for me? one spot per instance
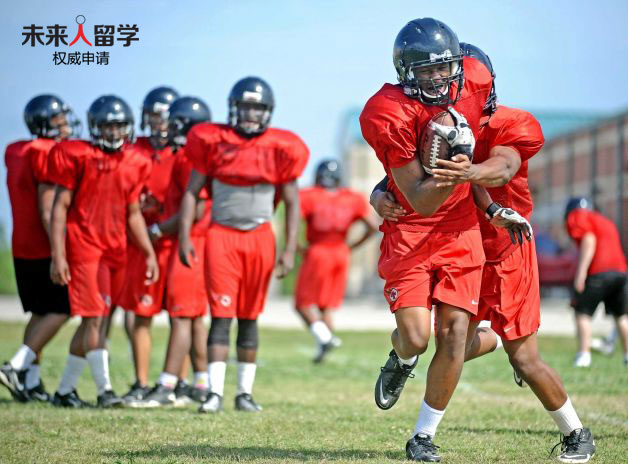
(578, 446)
(244, 402)
(391, 381)
(197, 394)
(135, 394)
(182, 392)
(212, 405)
(39, 393)
(420, 448)
(109, 400)
(323, 351)
(71, 400)
(157, 397)
(15, 381)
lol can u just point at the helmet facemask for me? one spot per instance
(157, 122)
(250, 118)
(111, 136)
(436, 82)
(177, 135)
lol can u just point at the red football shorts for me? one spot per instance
(96, 285)
(323, 276)
(185, 287)
(239, 265)
(146, 300)
(419, 267)
(510, 296)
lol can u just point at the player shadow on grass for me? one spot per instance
(250, 453)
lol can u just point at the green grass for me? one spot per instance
(315, 413)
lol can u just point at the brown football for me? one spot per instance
(431, 145)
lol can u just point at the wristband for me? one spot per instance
(491, 210)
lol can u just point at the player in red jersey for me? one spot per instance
(183, 291)
(510, 296)
(329, 212)
(246, 163)
(142, 302)
(98, 189)
(600, 275)
(432, 255)
(49, 120)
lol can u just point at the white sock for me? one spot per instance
(428, 420)
(216, 371)
(23, 358)
(321, 332)
(201, 380)
(168, 380)
(246, 377)
(32, 376)
(500, 344)
(407, 362)
(98, 361)
(566, 418)
(74, 366)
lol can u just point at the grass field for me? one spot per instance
(314, 413)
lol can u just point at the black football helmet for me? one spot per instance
(251, 103)
(157, 101)
(475, 52)
(110, 122)
(578, 203)
(39, 112)
(427, 42)
(184, 113)
(328, 174)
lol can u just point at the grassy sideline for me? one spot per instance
(314, 413)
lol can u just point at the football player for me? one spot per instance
(329, 212)
(510, 296)
(183, 290)
(432, 255)
(600, 274)
(141, 302)
(49, 120)
(97, 198)
(248, 165)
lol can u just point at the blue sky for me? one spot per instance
(321, 57)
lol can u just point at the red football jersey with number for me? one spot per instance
(154, 193)
(26, 163)
(609, 255)
(329, 213)
(519, 130)
(178, 183)
(392, 124)
(275, 157)
(104, 184)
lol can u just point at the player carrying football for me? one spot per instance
(329, 212)
(49, 120)
(97, 198)
(247, 165)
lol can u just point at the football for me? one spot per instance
(431, 145)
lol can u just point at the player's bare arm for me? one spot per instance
(290, 197)
(170, 226)
(499, 216)
(45, 198)
(587, 252)
(138, 233)
(421, 191)
(59, 268)
(384, 202)
(371, 228)
(502, 164)
(186, 216)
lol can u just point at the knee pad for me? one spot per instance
(247, 334)
(219, 331)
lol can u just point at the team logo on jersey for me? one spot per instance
(100, 35)
(225, 300)
(392, 294)
(106, 299)
(146, 300)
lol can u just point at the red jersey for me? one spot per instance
(103, 185)
(519, 130)
(330, 213)
(181, 171)
(26, 163)
(609, 255)
(154, 193)
(392, 123)
(218, 151)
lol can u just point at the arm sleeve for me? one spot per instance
(579, 223)
(197, 151)
(39, 164)
(63, 167)
(144, 170)
(292, 156)
(524, 135)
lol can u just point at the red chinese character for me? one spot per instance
(80, 19)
